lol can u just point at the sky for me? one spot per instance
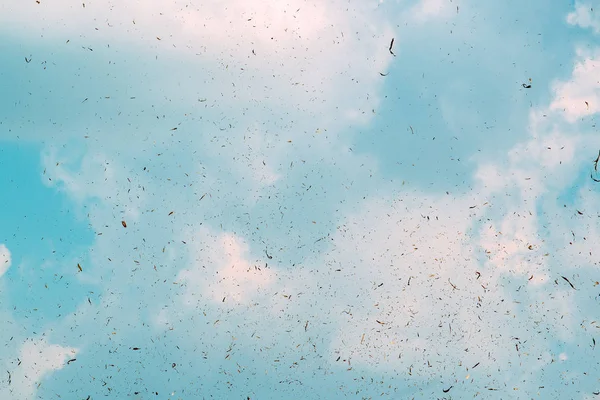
(299, 199)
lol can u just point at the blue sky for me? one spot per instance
(232, 200)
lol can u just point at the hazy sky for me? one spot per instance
(260, 199)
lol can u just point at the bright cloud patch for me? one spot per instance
(295, 54)
(426, 10)
(585, 16)
(222, 270)
(5, 259)
(580, 96)
(36, 360)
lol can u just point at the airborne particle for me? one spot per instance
(392, 45)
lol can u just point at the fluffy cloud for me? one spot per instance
(295, 55)
(221, 271)
(35, 361)
(426, 10)
(580, 96)
(585, 16)
(260, 81)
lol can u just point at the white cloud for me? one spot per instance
(544, 161)
(5, 259)
(426, 10)
(294, 54)
(416, 261)
(509, 245)
(526, 185)
(585, 16)
(580, 96)
(222, 270)
(272, 74)
(36, 359)
(387, 262)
